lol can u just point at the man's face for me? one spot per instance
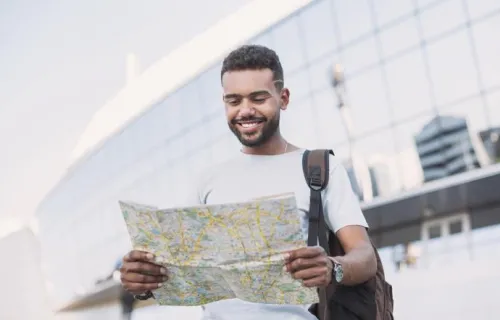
(253, 105)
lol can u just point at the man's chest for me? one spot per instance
(256, 183)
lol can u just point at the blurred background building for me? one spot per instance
(406, 92)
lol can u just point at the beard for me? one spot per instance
(255, 139)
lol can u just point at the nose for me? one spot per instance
(246, 110)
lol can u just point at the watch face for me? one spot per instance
(339, 273)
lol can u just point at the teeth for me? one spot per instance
(249, 125)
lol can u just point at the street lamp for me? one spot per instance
(360, 173)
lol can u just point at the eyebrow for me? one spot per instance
(252, 94)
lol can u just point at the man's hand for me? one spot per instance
(139, 273)
(311, 265)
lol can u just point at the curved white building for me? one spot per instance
(404, 64)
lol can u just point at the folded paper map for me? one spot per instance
(216, 252)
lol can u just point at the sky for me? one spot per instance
(60, 62)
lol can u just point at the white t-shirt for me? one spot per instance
(253, 176)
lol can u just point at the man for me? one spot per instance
(254, 97)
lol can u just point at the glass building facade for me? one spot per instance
(405, 62)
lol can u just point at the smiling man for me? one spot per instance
(254, 97)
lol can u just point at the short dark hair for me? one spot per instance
(254, 57)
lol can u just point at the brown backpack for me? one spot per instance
(371, 300)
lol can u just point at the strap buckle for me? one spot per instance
(315, 181)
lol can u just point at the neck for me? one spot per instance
(275, 145)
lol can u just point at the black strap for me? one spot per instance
(315, 165)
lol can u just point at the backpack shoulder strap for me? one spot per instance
(315, 165)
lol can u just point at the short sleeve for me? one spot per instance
(342, 207)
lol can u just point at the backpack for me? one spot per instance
(371, 300)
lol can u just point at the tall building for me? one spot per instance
(491, 141)
(445, 148)
(405, 62)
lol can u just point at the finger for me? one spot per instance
(320, 281)
(307, 252)
(139, 288)
(137, 255)
(303, 263)
(141, 278)
(311, 273)
(146, 268)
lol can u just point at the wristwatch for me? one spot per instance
(144, 296)
(337, 271)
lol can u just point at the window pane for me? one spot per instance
(488, 51)
(192, 112)
(359, 56)
(210, 90)
(399, 37)
(432, 20)
(478, 8)
(318, 30)
(264, 39)
(455, 227)
(408, 86)
(298, 84)
(388, 10)
(411, 174)
(376, 165)
(288, 44)
(452, 68)
(320, 72)
(494, 109)
(367, 99)
(329, 121)
(298, 125)
(434, 231)
(354, 19)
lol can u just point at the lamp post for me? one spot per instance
(363, 186)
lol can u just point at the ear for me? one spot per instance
(284, 99)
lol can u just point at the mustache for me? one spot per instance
(248, 119)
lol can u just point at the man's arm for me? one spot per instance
(359, 262)
(345, 218)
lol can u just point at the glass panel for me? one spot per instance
(488, 51)
(376, 166)
(359, 56)
(174, 115)
(421, 4)
(455, 227)
(354, 19)
(210, 90)
(434, 231)
(402, 36)
(320, 72)
(288, 44)
(452, 68)
(298, 84)
(329, 121)
(367, 99)
(300, 115)
(192, 111)
(432, 20)
(318, 29)
(478, 8)
(388, 10)
(408, 86)
(494, 109)
(264, 39)
(410, 169)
